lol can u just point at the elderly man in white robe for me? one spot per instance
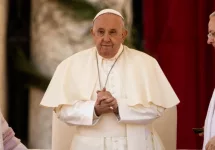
(111, 93)
(8, 141)
(209, 128)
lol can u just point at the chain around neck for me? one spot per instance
(109, 70)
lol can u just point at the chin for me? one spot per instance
(105, 50)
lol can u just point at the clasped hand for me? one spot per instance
(105, 103)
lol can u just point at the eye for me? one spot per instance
(100, 32)
(211, 34)
(112, 32)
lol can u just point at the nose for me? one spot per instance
(106, 37)
(210, 40)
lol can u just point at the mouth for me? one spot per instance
(106, 45)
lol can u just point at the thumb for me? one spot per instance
(103, 90)
(98, 91)
(98, 101)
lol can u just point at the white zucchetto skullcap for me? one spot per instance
(105, 11)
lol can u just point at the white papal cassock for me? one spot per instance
(209, 128)
(136, 81)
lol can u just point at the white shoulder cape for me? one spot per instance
(143, 79)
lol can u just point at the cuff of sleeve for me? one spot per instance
(136, 114)
(122, 111)
(89, 106)
(94, 115)
(81, 113)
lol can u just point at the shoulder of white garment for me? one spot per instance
(152, 72)
(81, 54)
(138, 55)
(77, 58)
(77, 70)
(132, 54)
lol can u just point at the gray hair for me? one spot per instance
(212, 15)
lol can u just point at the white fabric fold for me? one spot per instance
(81, 113)
(138, 114)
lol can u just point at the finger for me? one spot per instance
(108, 110)
(104, 105)
(103, 90)
(105, 110)
(101, 94)
(99, 101)
(115, 106)
(98, 91)
(103, 102)
(104, 93)
(102, 99)
(112, 107)
(109, 100)
(108, 93)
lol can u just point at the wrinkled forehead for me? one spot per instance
(211, 24)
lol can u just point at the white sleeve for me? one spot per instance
(81, 113)
(138, 114)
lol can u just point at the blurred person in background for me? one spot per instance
(209, 128)
(8, 141)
